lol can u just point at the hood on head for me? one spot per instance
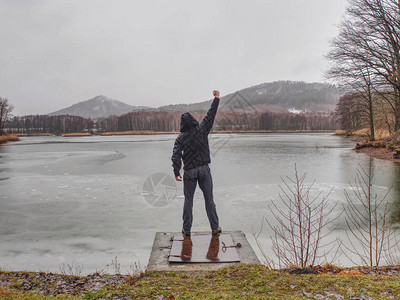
(188, 121)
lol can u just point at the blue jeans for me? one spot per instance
(202, 175)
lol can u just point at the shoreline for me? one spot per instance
(149, 132)
(382, 148)
(379, 152)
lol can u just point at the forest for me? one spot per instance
(170, 122)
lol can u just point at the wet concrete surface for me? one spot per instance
(205, 248)
(210, 250)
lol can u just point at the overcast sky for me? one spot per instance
(55, 53)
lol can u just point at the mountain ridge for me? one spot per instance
(277, 96)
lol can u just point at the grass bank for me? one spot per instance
(240, 282)
(8, 138)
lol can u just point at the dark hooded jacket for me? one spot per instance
(191, 145)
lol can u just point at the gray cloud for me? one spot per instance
(55, 53)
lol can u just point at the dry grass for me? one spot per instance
(8, 138)
(381, 134)
(340, 132)
(139, 132)
(76, 134)
(12, 138)
(364, 132)
(7, 294)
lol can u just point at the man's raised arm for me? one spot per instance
(208, 120)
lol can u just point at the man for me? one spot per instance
(192, 147)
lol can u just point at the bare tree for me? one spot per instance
(302, 222)
(350, 112)
(5, 112)
(347, 72)
(365, 55)
(370, 234)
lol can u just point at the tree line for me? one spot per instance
(365, 61)
(49, 124)
(170, 121)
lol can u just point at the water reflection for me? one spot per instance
(213, 249)
(187, 248)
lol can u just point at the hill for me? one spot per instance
(275, 96)
(97, 107)
(278, 96)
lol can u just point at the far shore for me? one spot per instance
(150, 132)
(8, 138)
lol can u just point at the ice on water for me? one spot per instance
(84, 200)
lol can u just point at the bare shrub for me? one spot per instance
(136, 268)
(115, 265)
(302, 220)
(71, 268)
(371, 236)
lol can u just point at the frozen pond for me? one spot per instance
(87, 200)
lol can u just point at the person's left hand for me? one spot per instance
(179, 177)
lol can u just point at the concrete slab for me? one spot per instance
(162, 247)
